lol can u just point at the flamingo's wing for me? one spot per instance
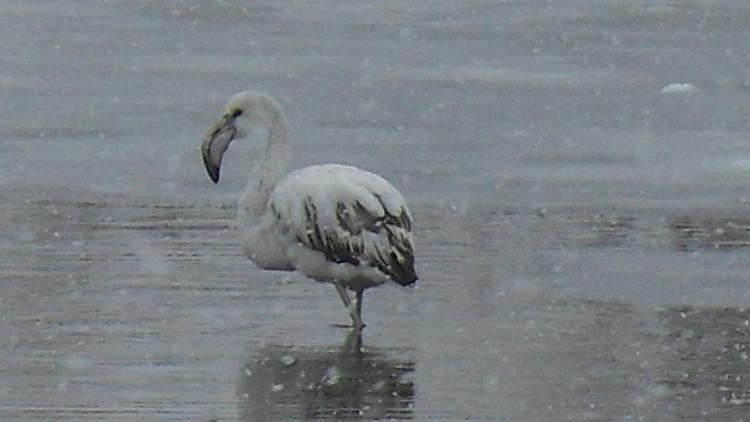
(349, 215)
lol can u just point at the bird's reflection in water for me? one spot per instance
(284, 383)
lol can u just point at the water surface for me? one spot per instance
(582, 234)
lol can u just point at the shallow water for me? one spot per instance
(581, 234)
(117, 308)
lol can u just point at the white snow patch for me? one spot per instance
(288, 360)
(679, 88)
(332, 376)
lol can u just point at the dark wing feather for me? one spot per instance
(398, 259)
(362, 237)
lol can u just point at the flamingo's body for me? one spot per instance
(332, 223)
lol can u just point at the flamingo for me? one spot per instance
(332, 223)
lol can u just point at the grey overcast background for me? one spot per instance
(578, 171)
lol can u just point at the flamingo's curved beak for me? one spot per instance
(216, 142)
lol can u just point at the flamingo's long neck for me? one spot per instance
(273, 165)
